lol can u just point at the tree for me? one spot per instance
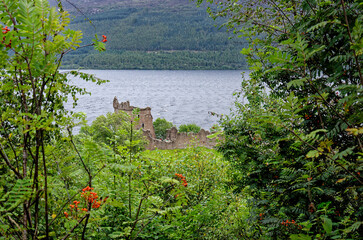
(297, 142)
(160, 127)
(32, 95)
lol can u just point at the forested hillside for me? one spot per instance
(152, 35)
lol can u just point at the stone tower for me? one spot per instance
(144, 115)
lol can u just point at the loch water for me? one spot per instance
(180, 97)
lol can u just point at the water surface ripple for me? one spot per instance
(180, 97)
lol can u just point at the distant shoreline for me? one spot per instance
(105, 69)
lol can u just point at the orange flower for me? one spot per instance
(66, 214)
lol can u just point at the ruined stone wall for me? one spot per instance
(177, 140)
(174, 139)
(145, 118)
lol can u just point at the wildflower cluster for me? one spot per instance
(104, 38)
(182, 178)
(90, 201)
(5, 31)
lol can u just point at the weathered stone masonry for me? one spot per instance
(174, 139)
(177, 140)
(145, 117)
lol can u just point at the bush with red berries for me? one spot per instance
(90, 201)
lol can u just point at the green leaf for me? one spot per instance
(344, 153)
(353, 228)
(115, 203)
(18, 194)
(327, 224)
(321, 25)
(214, 135)
(99, 46)
(312, 154)
(169, 180)
(116, 234)
(296, 83)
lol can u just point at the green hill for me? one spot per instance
(156, 34)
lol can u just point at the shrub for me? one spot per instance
(33, 92)
(295, 135)
(160, 127)
(189, 128)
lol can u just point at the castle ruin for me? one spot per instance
(144, 115)
(174, 139)
(178, 140)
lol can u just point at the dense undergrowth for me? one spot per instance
(295, 138)
(161, 194)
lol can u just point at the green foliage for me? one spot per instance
(45, 170)
(112, 129)
(192, 127)
(158, 60)
(146, 198)
(295, 142)
(160, 127)
(215, 128)
(20, 192)
(210, 208)
(34, 40)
